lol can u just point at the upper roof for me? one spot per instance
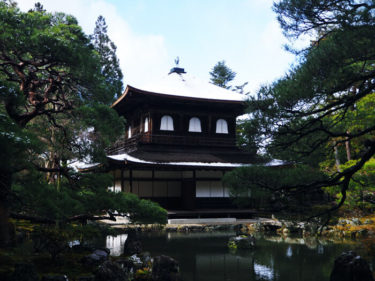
(184, 85)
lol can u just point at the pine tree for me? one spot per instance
(308, 116)
(221, 75)
(108, 58)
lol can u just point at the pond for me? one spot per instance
(205, 256)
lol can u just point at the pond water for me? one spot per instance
(205, 256)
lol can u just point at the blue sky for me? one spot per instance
(150, 34)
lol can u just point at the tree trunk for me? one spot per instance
(347, 147)
(337, 159)
(5, 229)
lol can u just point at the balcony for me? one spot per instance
(127, 145)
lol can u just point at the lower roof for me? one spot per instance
(216, 162)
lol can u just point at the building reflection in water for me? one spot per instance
(263, 272)
(289, 251)
(116, 244)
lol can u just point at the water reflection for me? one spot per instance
(116, 244)
(205, 257)
(263, 272)
(289, 252)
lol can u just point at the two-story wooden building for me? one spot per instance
(180, 140)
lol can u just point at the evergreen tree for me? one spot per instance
(317, 106)
(54, 97)
(221, 75)
(108, 59)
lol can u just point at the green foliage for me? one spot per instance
(88, 199)
(221, 75)
(108, 59)
(50, 239)
(56, 85)
(361, 192)
(322, 111)
(232, 245)
(261, 183)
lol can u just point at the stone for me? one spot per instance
(362, 233)
(145, 258)
(55, 278)
(343, 222)
(24, 272)
(97, 257)
(111, 271)
(165, 269)
(127, 265)
(242, 242)
(368, 221)
(136, 261)
(132, 245)
(356, 221)
(351, 267)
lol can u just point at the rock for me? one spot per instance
(97, 257)
(241, 229)
(241, 242)
(362, 233)
(351, 267)
(145, 258)
(55, 278)
(132, 245)
(165, 269)
(24, 272)
(291, 227)
(111, 271)
(127, 265)
(343, 222)
(356, 221)
(136, 261)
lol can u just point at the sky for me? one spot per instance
(150, 34)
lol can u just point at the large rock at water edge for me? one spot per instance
(111, 271)
(165, 269)
(351, 267)
(241, 242)
(97, 257)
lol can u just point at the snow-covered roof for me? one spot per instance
(186, 85)
(127, 157)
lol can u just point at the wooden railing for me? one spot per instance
(126, 145)
(187, 140)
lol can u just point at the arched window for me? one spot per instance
(146, 125)
(195, 125)
(166, 123)
(221, 126)
(129, 132)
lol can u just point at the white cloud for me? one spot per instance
(142, 56)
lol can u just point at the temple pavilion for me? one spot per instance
(180, 140)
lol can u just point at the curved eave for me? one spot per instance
(161, 95)
(129, 160)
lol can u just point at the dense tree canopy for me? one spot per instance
(55, 87)
(324, 106)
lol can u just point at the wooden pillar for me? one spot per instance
(131, 180)
(122, 180)
(153, 180)
(114, 179)
(209, 124)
